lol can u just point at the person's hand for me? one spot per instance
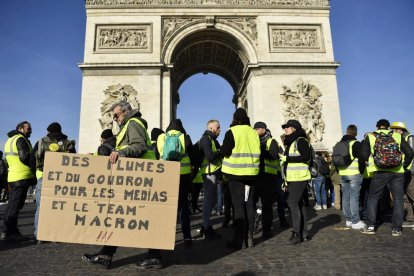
(283, 158)
(114, 157)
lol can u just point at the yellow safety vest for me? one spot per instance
(206, 167)
(245, 156)
(271, 166)
(297, 171)
(17, 170)
(198, 178)
(149, 154)
(185, 160)
(397, 137)
(406, 139)
(369, 169)
(353, 168)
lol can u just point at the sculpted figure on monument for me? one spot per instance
(303, 104)
(122, 38)
(115, 94)
(172, 24)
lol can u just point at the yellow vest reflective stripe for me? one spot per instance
(149, 154)
(185, 163)
(17, 170)
(397, 137)
(198, 178)
(353, 168)
(207, 167)
(297, 171)
(271, 166)
(245, 156)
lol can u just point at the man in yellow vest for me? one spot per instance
(241, 151)
(18, 152)
(351, 180)
(54, 141)
(132, 141)
(269, 184)
(401, 128)
(175, 128)
(211, 172)
(393, 176)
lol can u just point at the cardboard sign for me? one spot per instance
(86, 199)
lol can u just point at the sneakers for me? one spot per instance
(317, 207)
(368, 230)
(325, 207)
(359, 225)
(348, 224)
(408, 224)
(151, 263)
(396, 233)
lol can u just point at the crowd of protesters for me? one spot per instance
(240, 179)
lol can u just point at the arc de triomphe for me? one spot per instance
(276, 54)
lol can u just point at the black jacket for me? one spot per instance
(26, 157)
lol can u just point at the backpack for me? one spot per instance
(387, 153)
(341, 156)
(47, 144)
(172, 147)
(323, 166)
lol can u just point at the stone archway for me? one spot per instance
(277, 55)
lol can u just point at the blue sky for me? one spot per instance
(42, 42)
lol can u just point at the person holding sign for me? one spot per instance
(132, 141)
(54, 141)
(18, 152)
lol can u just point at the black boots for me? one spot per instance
(209, 233)
(238, 238)
(151, 263)
(295, 239)
(104, 260)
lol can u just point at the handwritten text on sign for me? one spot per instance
(86, 199)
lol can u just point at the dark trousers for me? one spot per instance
(228, 205)
(244, 212)
(110, 251)
(17, 196)
(395, 182)
(409, 195)
(265, 190)
(280, 198)
(195, 194)
(297, 208)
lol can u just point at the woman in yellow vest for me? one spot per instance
(241, 151)
(297, 176)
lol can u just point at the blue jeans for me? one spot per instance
(320, 190)
(210, 197)
(219, 196)
(351, 185)
(395, 182)
(38, 192)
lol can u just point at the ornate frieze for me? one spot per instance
(302, 102)
(131, 38)
(246, 25)
(208, 3)
(115, 94)
(296, 38)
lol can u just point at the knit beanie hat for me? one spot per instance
(54, 127)
(260, 125)
(240, 114)
(106, 134)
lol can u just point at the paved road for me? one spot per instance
(333, 250)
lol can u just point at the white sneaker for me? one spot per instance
(317, 207)
(348, 223)
(324, 207)
(358, 226)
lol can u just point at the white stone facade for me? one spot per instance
(263, 49)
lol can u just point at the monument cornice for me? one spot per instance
(282, 4)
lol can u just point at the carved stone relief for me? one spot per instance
(173, 24)
(209, 3)
(114, 94)
(123, 37)
(295, 38)
(246, 25)
(302, 102)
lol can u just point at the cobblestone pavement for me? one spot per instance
(334, 250)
